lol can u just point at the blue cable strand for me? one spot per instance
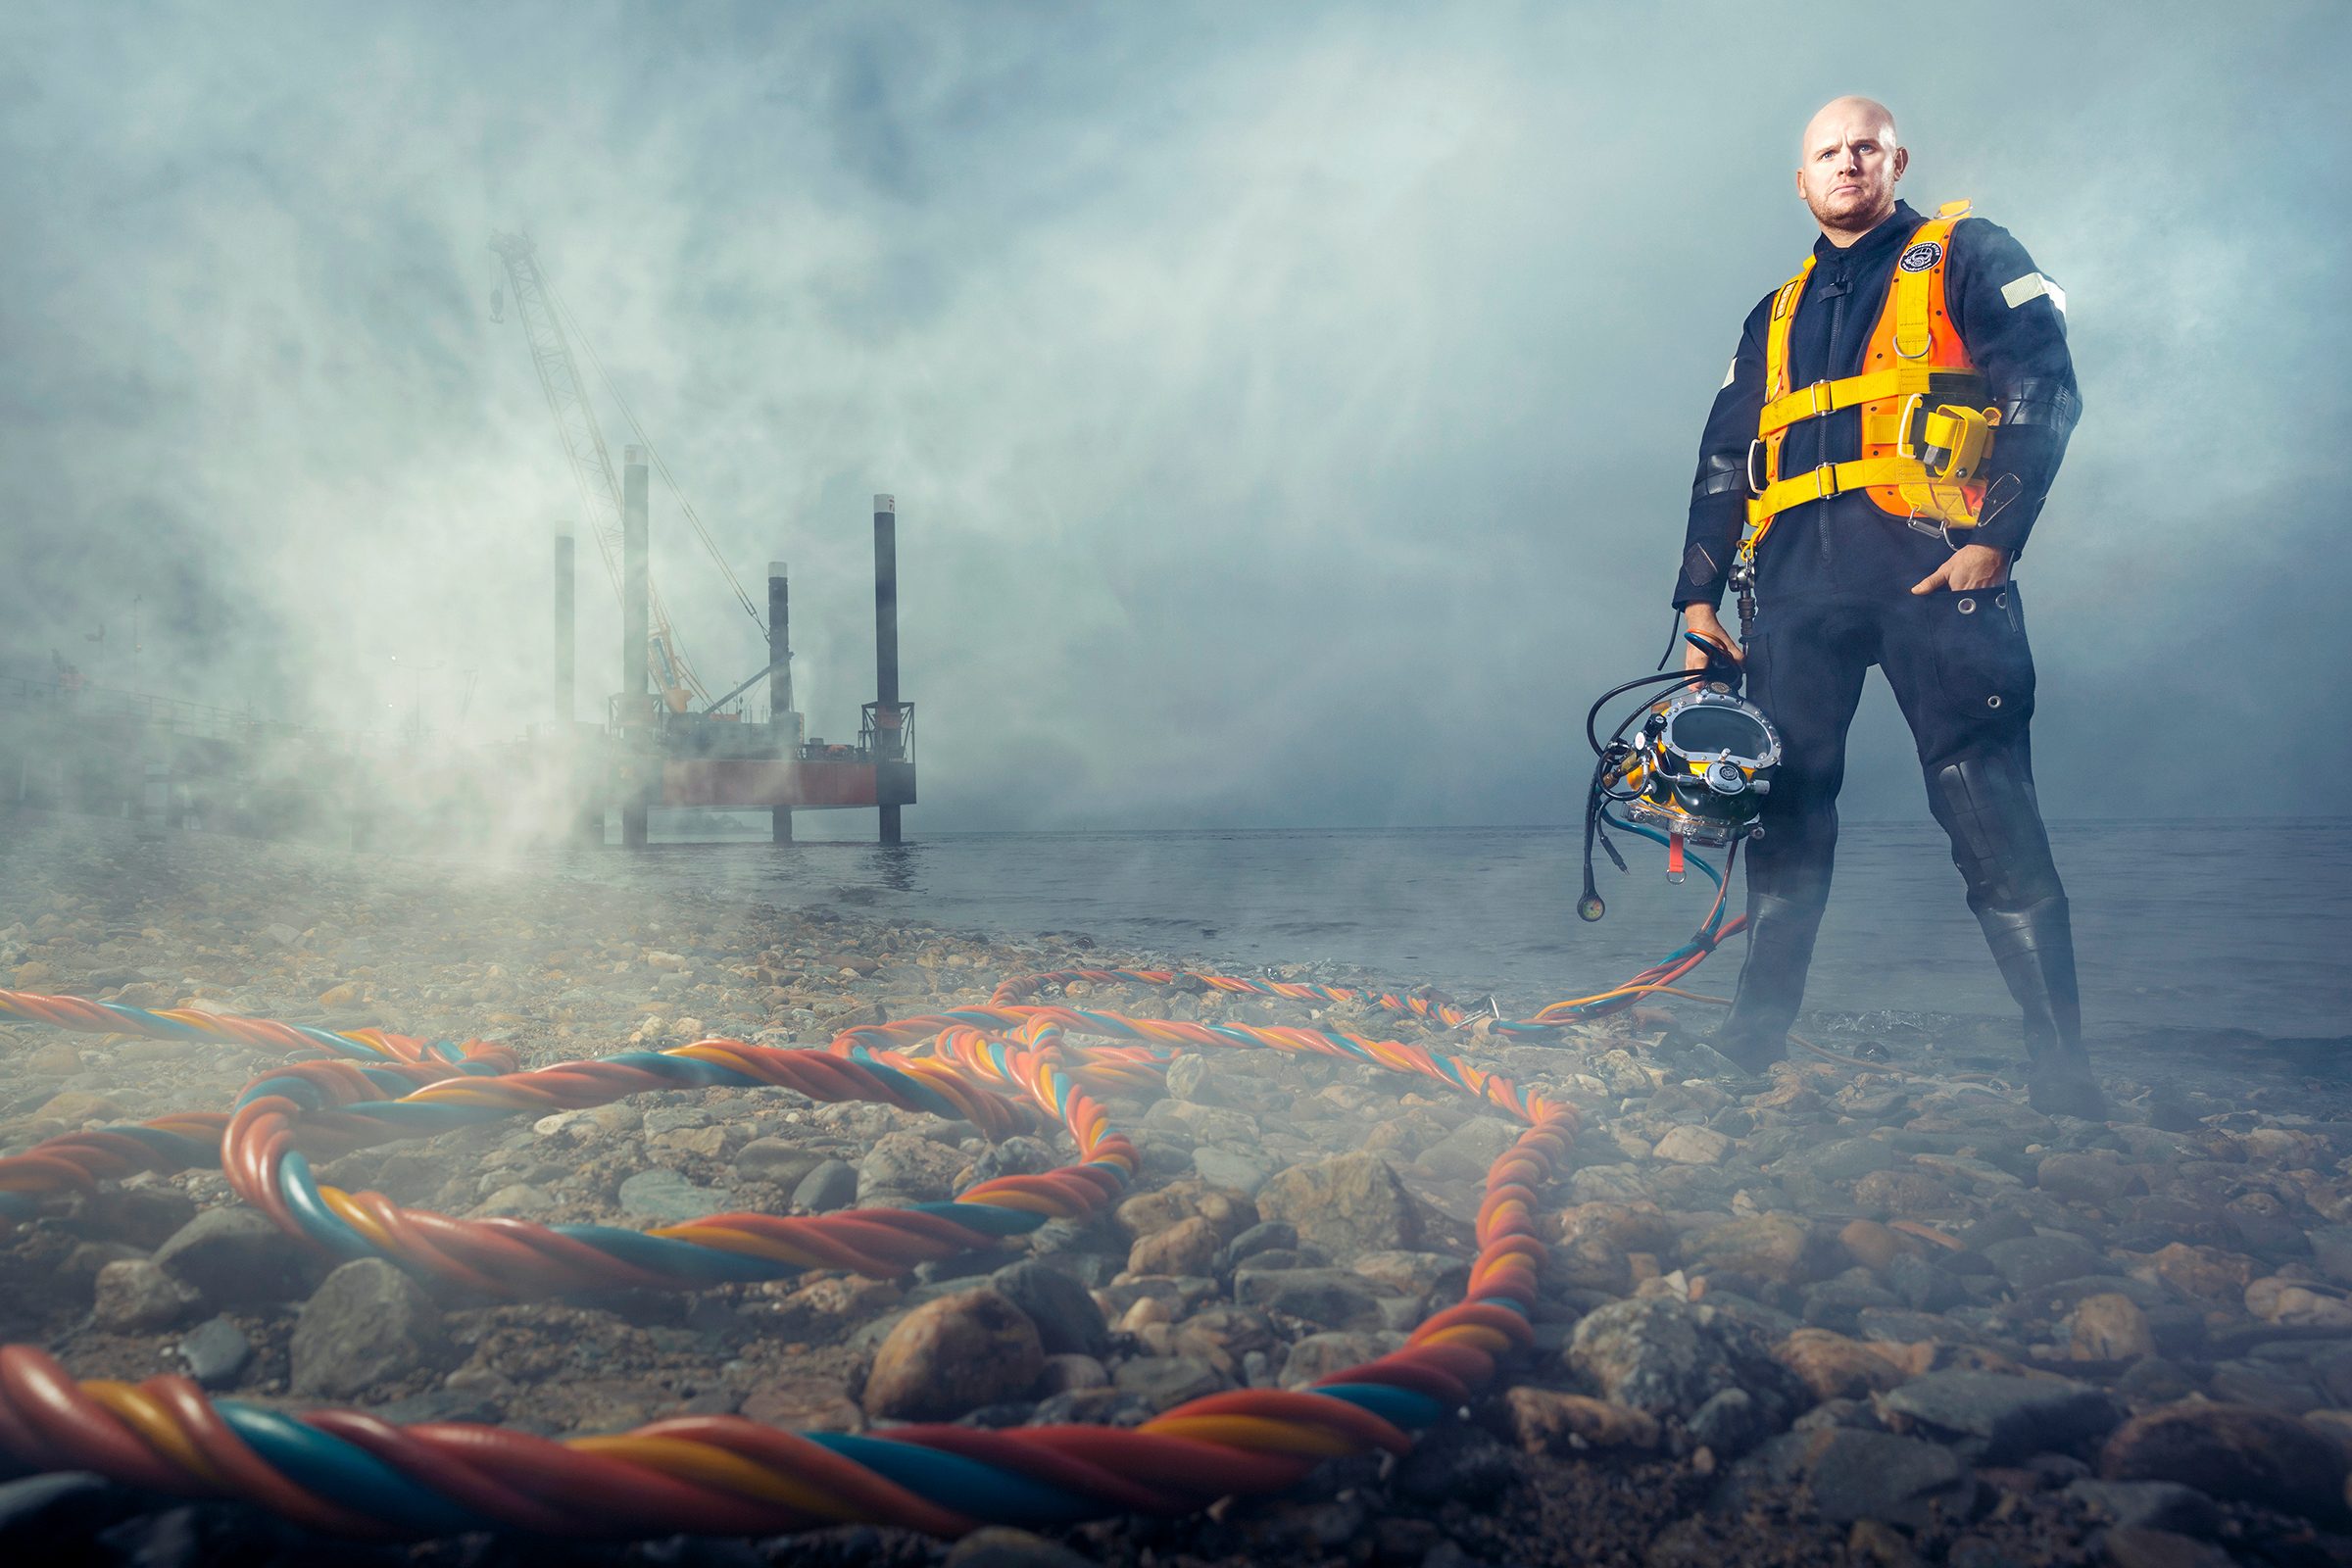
(1399, 1407)
(667, 1255)
(910, 1086)
(345, 1472)
(968, 1485)
(989, 1219)
(300, 1189)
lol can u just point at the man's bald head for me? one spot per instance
(1848, 162)
(1841, 115)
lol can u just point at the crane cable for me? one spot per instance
(662, 465)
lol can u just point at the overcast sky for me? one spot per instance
(1291, 409)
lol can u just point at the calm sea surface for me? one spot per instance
(2193, 925)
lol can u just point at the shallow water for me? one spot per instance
(2180, 925)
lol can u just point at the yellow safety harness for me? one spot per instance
(1919, 462)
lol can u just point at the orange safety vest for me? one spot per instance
(1918, 391)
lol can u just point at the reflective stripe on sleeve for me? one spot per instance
(2034, 286)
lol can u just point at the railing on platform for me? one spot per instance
(886, 731)
(106, 702)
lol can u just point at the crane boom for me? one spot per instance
(584, 445)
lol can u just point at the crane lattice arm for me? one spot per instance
(584, 445)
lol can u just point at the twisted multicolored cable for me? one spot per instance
(347, 1472)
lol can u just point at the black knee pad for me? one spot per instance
(1986, 802)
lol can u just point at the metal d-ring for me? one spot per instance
(1902, 426)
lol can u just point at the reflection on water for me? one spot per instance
(2179, 924)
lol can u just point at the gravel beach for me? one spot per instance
(1872, 1309)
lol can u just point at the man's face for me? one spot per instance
(1850, 166)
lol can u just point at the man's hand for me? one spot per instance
(1971, 566)
(1700, 618)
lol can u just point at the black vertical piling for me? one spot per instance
(636, 635)
(886, 649)
(782, 721)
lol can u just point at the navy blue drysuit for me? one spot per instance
(1834, 581)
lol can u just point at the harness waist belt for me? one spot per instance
(1830, 479)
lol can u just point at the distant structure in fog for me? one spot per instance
(661, 741)
(665, 741)
(649, 753)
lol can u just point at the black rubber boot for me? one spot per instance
(2035, 950)
(1986, 803)
(1772, 982)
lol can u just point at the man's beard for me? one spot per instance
(1863, 212)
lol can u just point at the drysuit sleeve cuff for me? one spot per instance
(2025, 463)
(1710, 541)
(2007, 532)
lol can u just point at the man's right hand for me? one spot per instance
(1701, 620)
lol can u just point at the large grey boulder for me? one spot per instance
(1993, 1419)
(236, 1258)
(1669, 1357)
(1854, 1474)
(368, 1324)
(1347, 1205)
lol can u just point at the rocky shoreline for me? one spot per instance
(1872, 1309)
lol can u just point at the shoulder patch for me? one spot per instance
(1922, 256)
(2032, 287)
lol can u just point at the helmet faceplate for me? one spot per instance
(1702, 767)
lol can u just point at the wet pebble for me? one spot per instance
(1668, 1357)
(236, 1258)
(665, 1195)
(830, 1186)
(1853, 1475)
(215, 1352)
(1348, 1204)
(1996, 1420)
(1327, 1298)
(135, 1296)
(2035, 1262)
(369, 1323)
(1164, 1382)
(951, 1356)
(907, 1168)
(1068, 1318)
(2232, 1453)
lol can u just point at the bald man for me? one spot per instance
(1879, 452)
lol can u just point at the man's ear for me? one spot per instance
(1902, 161)
(1800, 184)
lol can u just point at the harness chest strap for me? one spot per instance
(1914, 298)
(1824, 398)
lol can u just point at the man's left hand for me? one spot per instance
(1971, 566)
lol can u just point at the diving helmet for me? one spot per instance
(1701, 768)
(1697, 771)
